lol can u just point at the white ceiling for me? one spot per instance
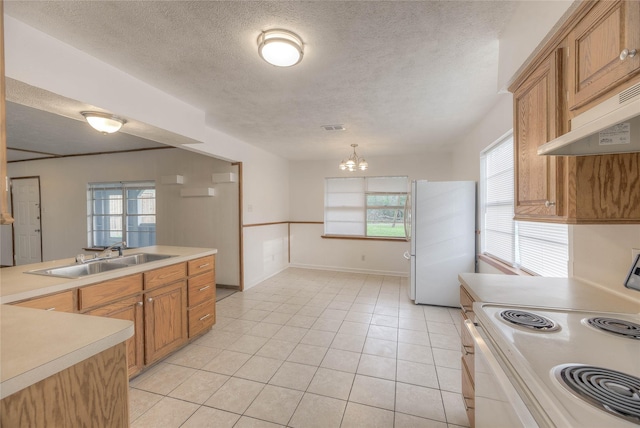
(402, 77)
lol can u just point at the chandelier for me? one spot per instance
(354, 162)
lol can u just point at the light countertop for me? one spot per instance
(566, 293)
(37, 344)
(18, 285)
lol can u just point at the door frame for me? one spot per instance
(13, 234)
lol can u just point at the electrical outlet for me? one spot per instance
(634, 253)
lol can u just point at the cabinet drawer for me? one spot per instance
(202, 317)
(202, 264)
(61, 302)
(109, 291)
(201, 288)
(165, 275)
(466, 303)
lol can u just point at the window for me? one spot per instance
(123, 211)
(365, 206)
(540, 248)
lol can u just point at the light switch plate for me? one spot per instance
(633, 278)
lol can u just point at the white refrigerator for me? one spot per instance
(440, 222)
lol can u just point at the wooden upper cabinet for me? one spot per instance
(538, 119)
(595, 44)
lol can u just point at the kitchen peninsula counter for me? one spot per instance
(38, 344)
(568, 293)
(18, 285)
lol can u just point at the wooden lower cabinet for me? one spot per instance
(129, 309)
(202, 317)
(92, 393)
(165, 320)
(468, 368)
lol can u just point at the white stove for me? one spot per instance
(526, 373)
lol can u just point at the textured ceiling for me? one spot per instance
(402, 77)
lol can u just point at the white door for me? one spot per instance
(25, 196)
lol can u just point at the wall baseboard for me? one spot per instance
(350, 270)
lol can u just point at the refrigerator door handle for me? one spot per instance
(407, 255)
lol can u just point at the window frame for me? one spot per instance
(123, 187)
(519, 249)
(364, 208)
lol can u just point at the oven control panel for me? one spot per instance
(633, 279)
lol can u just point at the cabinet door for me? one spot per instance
(595, 45)
(165, 320)
(537, 119)
(129, 309)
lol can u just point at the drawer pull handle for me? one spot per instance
(205, 317)
(466, 406)
(204, 288)
(627, 53)
(203, 266)
(51, 309)
(468, 350)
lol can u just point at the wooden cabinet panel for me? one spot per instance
(61, 302)
(537, 118)
(201, 288)
(5, 216)
(606, 188)
(92, 393)
(202, 317)
(165, 275)
(201, 265)
(165, 320)
(129, 309)
(466, 303)
(109, 291)
(595, 45)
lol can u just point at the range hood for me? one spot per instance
(612, 126)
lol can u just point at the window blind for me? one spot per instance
(345, 201)
(541, 248)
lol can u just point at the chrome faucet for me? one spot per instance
(118, 245)
(104, 254)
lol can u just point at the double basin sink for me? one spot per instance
(79, 270)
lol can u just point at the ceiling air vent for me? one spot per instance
(334, 127)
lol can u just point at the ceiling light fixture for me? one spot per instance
(281, 48)
(103, 122)
(354, 162)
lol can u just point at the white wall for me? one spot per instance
(530, 24)
(309, 249)
(210, 222)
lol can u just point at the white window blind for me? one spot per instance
(360, 206)
(540, 248)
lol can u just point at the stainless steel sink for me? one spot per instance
(139, 258)
(104, 265)
(79, 270)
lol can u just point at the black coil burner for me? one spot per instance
(528, 320)
(609, 390)
(620, 327)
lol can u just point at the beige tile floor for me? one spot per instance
(309, 348)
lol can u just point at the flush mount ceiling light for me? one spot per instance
(103, 122)
(354, 162)
(281, 48)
